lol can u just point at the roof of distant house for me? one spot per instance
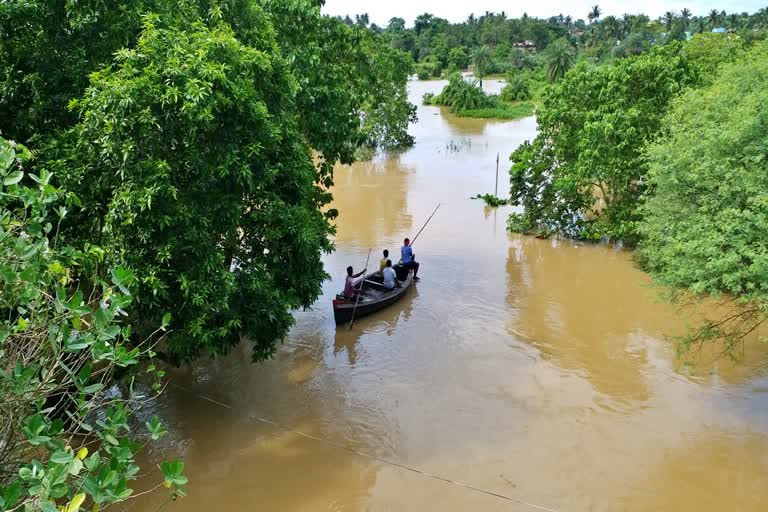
(719, 30)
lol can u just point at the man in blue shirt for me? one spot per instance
(409, 259)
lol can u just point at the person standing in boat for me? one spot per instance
(383, 261)
(409, 259)
(352, 283)
(390, 276)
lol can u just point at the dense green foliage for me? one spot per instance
(586, 171)
(440, 47)
(465, 98)
(461, 94)
(200, 139)
(705, 222)
(517, 89)
(61, 340)
(211, 197)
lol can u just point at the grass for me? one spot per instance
(502, 110)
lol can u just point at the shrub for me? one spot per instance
(60, 345)
(517, 88)
(461, 94)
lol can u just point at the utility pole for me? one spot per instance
(496, 193)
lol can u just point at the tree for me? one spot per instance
(558, 59)
(521, 59)
(704, 225)
(48, 49)
(669, 19)
(458, 57)
(213, 196)
(396, 25)
(422, 23)
(714, 18)
(585, 173)
(482, 62)
(685, 17)
(336, 88)
(594, 14)
(517, 88)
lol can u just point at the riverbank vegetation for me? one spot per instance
(168, 156)
(664, 150)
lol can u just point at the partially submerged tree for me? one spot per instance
(193, 170)
(586, 171)
(482, 62)
(704, 225)
(210, 175)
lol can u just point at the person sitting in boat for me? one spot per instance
(390, 276)
(383, 261)
(409, 259)
(352, 283)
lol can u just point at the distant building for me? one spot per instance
(526, 45)
(718, 30)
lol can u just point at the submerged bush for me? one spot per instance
(517, 88)
(462, 94)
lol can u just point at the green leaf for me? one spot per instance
(13, 178)
(12, 494)
(47, 506)
(61, 457)
(122, 278)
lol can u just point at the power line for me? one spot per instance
(379, 459)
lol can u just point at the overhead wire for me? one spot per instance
(327, 442)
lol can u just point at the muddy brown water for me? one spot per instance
(535, 369)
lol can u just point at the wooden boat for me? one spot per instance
(374, 296)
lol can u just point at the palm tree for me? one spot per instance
(594, 14)
(669, 18)
(482, 62)
(733, 21)
(559, 57)
(714, 17)
(685, 15)
(626, 24)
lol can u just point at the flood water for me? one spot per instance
(539, 370)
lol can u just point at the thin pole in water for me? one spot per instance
(496, 193)
(362, 283)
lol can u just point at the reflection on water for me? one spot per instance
(537, 369)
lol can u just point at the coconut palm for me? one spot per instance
(626, 24)
(482, 62)
(594, 14)
(669, 18)
(714, 17)
(559, 57)
(685, 15)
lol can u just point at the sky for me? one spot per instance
(380, 11)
